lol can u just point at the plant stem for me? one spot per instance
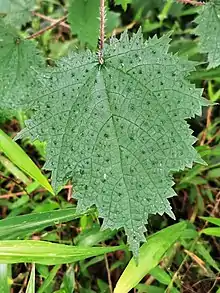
(102, 31)
(109, 274)
(39, 33)
(52, 20)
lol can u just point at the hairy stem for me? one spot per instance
(102, 30)
(39, 33)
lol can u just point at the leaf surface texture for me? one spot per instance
(119, 130)
(19, 61)
(208, 30)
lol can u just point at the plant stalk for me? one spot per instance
(102, 31)
(39, 33)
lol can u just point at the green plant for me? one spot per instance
(113, 118)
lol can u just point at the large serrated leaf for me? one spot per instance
(208, 30)
(118, 129)
(18, 12)
(19, 61)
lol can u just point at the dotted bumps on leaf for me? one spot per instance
(118, 130)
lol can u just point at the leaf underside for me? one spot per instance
(17, 11)
(117, 130)
(208, 30)
(20, 62)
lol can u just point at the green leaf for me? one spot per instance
(18, 12)
(160, 275)
(19, 61)
(4, 284)
(6, 115)
(212, 220)
(142, 288)
(208, 30)
(17, 227)
(17, 251)
(31, 282)
(150, 255)
(123, 3)
(211, 231)
(15, 153)
(112, 21)
(14, 170)
(118, 129)
(204, 253)
(93, 236)
(84, 20)
(4, 7)
(69, 279)
(49, 279)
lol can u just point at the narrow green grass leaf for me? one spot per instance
(18, 251)
(16, 227)
(149, 257)
(142, 288)
(211, 231)
(31, 282)
(4, 285)
(204, 253)
(212, 220)
(15, 153)
(14, 170)
(49, 279)
(69, 279)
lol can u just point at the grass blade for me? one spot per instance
(49, 279)
(31, 282)
(4, 285)
(149, 256)
(212, 220)
(211, 231)
(14, 170)
(17, 251)
(16, 227)
(15, 153)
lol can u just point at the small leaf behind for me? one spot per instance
(208, 30)
(17, 12)
(19, 61)
(84, 20)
